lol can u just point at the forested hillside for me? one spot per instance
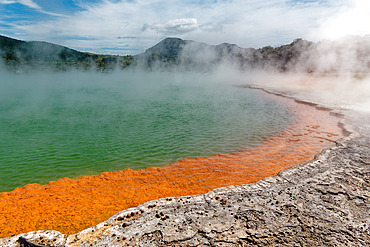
(20, 55)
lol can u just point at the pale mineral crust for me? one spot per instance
(324, 202)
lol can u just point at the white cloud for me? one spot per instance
(248, 23)
(176, 26)
(351, 19)
(181, 26)
(29, 3)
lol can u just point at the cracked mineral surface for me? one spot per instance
(324, 202)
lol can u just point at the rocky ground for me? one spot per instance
(324, 202)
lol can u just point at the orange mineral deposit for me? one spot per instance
(70, 205)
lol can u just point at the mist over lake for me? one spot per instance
(73, 124)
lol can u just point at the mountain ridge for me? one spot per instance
(30, 55)
(351, 54)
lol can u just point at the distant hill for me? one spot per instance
(350, 54)
(22, 55)
(169, 47)
(175, 52)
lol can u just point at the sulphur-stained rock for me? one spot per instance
(324, 202)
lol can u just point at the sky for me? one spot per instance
(128, 27)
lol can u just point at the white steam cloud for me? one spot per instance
(130, 27)
(333, 73)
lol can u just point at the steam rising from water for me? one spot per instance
(342, 91)
(73, 124)
(340, 78)
(333, 71)
(339, 74)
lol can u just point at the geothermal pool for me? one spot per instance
(80, 124)
(72, 124)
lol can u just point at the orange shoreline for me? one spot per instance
(71, 205)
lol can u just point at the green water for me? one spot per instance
(72, 124)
